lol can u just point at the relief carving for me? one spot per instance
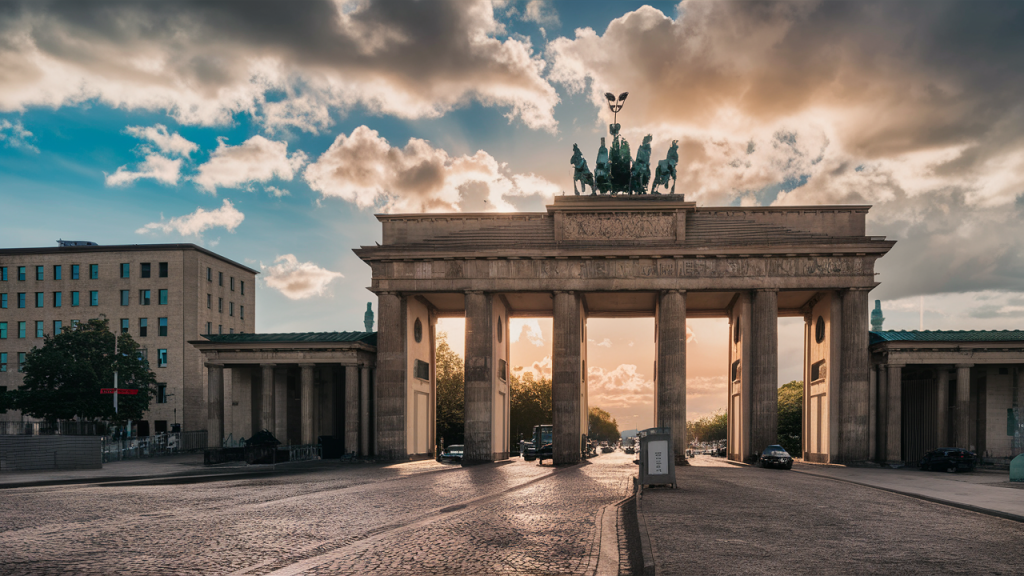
(618, 226)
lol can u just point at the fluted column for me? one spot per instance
(391, 381)
(351, 409)
(215, 405)
(671, 373)
(306, 393)
(764, 373)
(883, 413)
(479, 379)
(267, 421)
(566, 377)
(894, 422)
(854, 366)
(942, 417)
(962, 415)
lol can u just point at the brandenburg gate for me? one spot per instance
(628, 256)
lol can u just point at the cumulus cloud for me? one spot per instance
(621, 386)
(162, 169)
(834, 102)
(528, 328)
(298, 280)
(255, 160)
(14, 135)
(205, 62)
(194, 224)
(365, 169)
(172, 144)
(540, 368)
(541, 12)
(606, 343)
(277, 192)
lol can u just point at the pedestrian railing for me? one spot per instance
(67, 428)
(116, 449)
(302, 452)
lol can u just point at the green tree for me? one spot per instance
(529, 404)
(451, 399)
(602, 426)
(791, 417)
(63, 378)
(709, 428)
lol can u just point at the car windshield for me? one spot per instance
(455, 448)
(775, 451)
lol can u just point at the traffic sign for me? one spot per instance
(128, 391)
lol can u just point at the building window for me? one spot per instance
(3, 300)
(74, 299)
(57, 299)
(21, 273)
(3, 363)
(145, 270)
(94, 271)
(241, 312)
(39, 273)
(736, 371)
(94, 298)
(208, 298)
(124, 326)
(39, 328)
(162, 295)
(220, 305)
(209, 328)
(417, 330)
(231, 308)
(144, 297)
(817, 370)
(502, 369)
(232, 282)
(220, 328)
(242, 286)
(163, 269)
(161, 357)
(231, 330)
(819, 330)
(126, 270)
(74, 324)
(421, 370)
(161, 396)
(21, 361)
(21, 329)
(126, 297)
(58, 327)
(21, 299)
(3, 273)
(162, 326)
(74, 271)
(144, 354)
(39, 299)
(3, 330)
(220, 278)
(160, 426)
(143, 326)
(56, 271)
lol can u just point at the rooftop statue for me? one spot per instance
(602, 171)
(581, 173)
(666, 168)
(368, 317)
(641, 168)
(621, 161)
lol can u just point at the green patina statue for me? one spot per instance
(641, 174)
(621, 161)
(581, 173)
(665, 169)
(602, 171)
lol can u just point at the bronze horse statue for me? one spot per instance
(581, 173)
(665, 169)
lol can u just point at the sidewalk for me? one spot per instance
(160, 467)
(986, 491)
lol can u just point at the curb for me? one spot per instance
(961, 505)
(645, 538)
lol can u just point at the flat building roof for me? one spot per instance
(119, 248)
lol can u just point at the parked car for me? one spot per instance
(453, 453)
(775, 456)
(949, 459)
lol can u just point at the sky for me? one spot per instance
(271, 132)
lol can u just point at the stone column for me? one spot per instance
(267, 420)
(883, 412)
(352, 409)
(566, 376)
(479, 382)
(764, 373)
(854, 366)
(894, 422)
(962, 414)
(671, 373)
(942, 417)
(872, 411)
(215, 405)
(391, 381)
(281, 404)
(306, 397)
(364, 411)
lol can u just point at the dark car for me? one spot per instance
(453, 453)
(949, 459)
(775, 456)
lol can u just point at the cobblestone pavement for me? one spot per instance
(412, 518)
(726, 519)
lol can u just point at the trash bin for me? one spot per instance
(1017, 469)
(657, 460)
(330, 447)
(260, 449)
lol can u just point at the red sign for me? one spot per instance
(128, 391)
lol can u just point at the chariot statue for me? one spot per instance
(602, 171)
(641, 174)
(665, 169)
(620, 160)
(581, 173)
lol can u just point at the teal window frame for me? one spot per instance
(162, 297)
(21, 273)
(3, 330)
(21, 330)
(126, 297)
(145, 270)
(143, 327)
(3, 361)
(3, 273)
(125, 325)
(75, 269)
(21, 361)
(126, 270)
(39, 274)
(3, 300)
(74, 298)
(39, 329)
(94, 298)
(58, 327)
(161, 357)
(162, 326)
(162, 270)
(21, 299)
(40, 299)
(94, 271)
(144, 297)
(58, 299)
(56, 271)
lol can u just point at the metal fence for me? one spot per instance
(302, 452)
(67, 428)
(115, 449)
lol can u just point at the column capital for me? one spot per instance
(388, 293)
(307, 365)
(267, 365)
(895, 365)
(569, 292)
(959, 366)
(213, 365)
(765, 290)
(673, 291)
(472, 291)
(860, 289)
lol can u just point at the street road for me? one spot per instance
(412, 518)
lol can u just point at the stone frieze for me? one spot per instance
(618, 226)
